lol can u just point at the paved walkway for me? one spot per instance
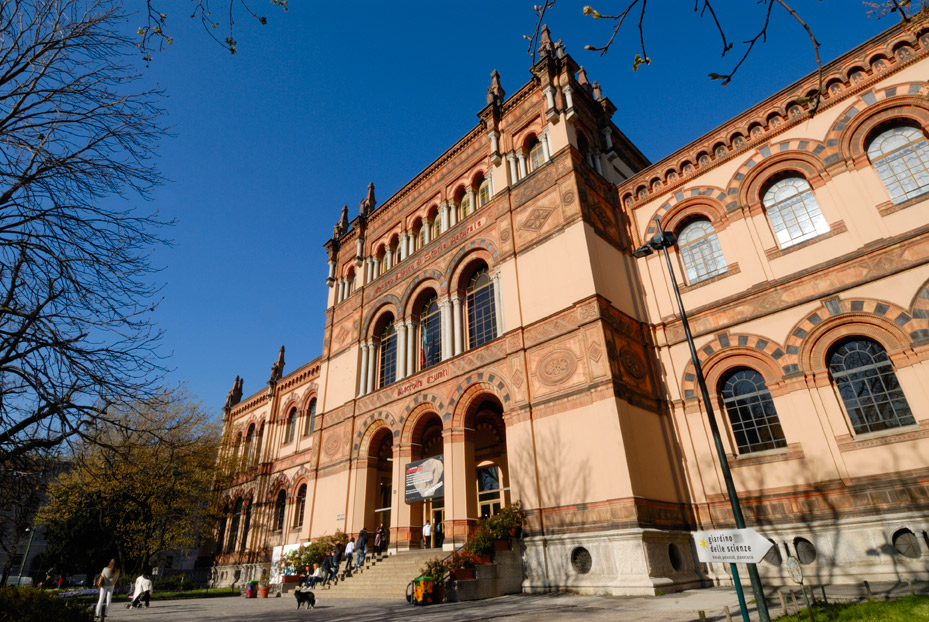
(681, 607)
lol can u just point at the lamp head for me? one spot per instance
(642, 251)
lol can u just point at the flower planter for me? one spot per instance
(462, 574)
(438, 593)
(263, 591)
(484, 559)
(501, 545)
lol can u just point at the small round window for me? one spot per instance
(906, 543)
(806, 552)
(580, 560)
(773, 556)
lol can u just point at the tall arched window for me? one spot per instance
(754, 421)
(234, 526)
(435, 223)
(261, 434)
(280, 505)
(291, 426)
(868, 385)
(430, 333)
(243, 544)
(381, 261)
(464, 207)
(482, 313)
(793, 211)
(221, 534)
(483, 193)
(236, 447)
(536, 155)
(310, 418)
(421, 235)
(247, 458)
(301, 504)
(388, 354)
(900, 156)
(700, 251)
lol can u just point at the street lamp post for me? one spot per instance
(662, 241)
(22, 564)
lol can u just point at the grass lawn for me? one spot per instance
(908, 609)
(169, 595)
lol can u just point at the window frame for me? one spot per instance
(740, 409)
(488, 310)
(688, 248)
(883, 163)
(777, 208)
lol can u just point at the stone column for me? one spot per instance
(444, 307)
(377, 267)
(514, 174)
(494, 141)
(549, 97)
(490, 182)
(359, 246)
(410, 353)
(608, 137)
(428, 232)
(498, 301)
(401, 348)
(363, 376)
(471, 198)
(372, 363)
(521, 158)
(410, 243)
(456, 324)
(569, 100)
(443, 213)
(546, 148)
(597, 165)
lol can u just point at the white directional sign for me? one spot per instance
(733, 546)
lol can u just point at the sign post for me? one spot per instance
(796, 573)
(732, 546)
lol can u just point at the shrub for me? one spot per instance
(435, 568)
(481, 541)
(462, 559)
(508, 522)
(176, 583)
(24, 604)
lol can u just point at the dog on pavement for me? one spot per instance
(305, 597)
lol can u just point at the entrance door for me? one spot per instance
(382, 514)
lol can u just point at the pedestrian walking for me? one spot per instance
(379, 539)
(106, 583)
(427, 535)
(349, 554)
(361, 548)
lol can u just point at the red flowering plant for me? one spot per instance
(462, 559)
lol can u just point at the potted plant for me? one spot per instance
(437, 570)
(480, 543)
(461, 565)
(507, 523)
(264, 582)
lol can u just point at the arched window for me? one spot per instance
(430, 333)
(793, 211)
(236, 446)
(482, 313)
(536, 155)
(247, 458)
(221, 535)
(700, 251)
(280, 505)
(234, 526)
(421, 235)
(388, 354)
(310, 418)
(291, 426)
(381, 261)
(868, 385)
(483, 193)
(464, 207)
(435, 223)
(900, 156)
(748, 403)
(301, 504)
(261, 434)
(243, 544)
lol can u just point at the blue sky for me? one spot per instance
(268, 144)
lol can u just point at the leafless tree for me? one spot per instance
(77, 287)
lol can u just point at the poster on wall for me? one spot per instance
(425, 479)
(278, 553)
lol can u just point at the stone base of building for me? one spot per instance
(848, 551)
(235, 575)
(624, 562)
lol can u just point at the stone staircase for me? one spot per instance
(385, 577)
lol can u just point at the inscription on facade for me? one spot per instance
(419, 383)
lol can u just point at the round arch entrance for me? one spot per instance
(379, 481)
(487, 469)
(427, 442)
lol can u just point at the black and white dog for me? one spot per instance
(305, 597)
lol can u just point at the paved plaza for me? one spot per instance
(517, 608)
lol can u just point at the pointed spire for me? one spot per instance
(560, 49)
(546, 48)
(371, 201)
(235, 394)
(343, 222)
(582, 78)
(277, 370)
(598, 92)
(495, 92)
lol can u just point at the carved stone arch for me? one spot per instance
(422, 405)
(427, 279)
(290, 403)
(362, 445)
(301, 477)
(919, 311)
(479, 248)
(708, 195)
(279, 483)
(812, 336)
(388, 303)
(725, 351)
(471, 388)
(310, 392)
(533, 129)
(852, 131)
(478, 173)
(801, 156)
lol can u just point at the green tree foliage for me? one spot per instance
(135, 490)
(26, 604)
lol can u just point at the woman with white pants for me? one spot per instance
(106, 583)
